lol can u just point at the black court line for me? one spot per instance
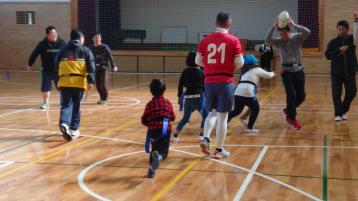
(194, 170)
(27, 143)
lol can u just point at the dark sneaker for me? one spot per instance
(205, 146)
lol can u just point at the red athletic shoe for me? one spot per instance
(295, 125)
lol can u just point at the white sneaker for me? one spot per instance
(65, 131)
(222, 154)
(175, 139)
(253, 130)
(75, 133)
(45, 106)
(244, 121)
(337, 119)
(345, 116)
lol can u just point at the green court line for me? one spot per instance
(325, 170)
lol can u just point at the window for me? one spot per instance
(25, 17)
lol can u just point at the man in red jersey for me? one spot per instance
(220, 54)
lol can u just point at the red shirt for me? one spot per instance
(219, 51)
(155, 110)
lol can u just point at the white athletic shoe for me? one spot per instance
(253, 130)
(222, 154)
(175, 139)
(75, 134)
(337, 119)
(345, 116)
(45, 106)
(65, 131)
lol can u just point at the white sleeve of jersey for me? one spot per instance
(239, 61)
(199, 59)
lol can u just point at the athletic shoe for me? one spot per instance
(205, 146)
(156, 158)
(244, 121)
(295, 125)
(65, 131)
(345, 116)
(45, 106)
(284, 112)
(174, 139)
(338, 119)
(151, 172)
(75, 133)
(201, 136)
(221, 154)
(251, 130)
(101, 102)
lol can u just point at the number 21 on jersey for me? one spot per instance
(213, 49)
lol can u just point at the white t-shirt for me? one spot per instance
(253, 75)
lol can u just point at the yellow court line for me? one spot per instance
(171, 184)
(77, 144)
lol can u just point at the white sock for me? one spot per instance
(209, 123)
(221, 129)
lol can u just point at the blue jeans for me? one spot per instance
(70, 113)
(190, 105)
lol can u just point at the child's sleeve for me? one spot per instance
(145, 116)
(264, 74)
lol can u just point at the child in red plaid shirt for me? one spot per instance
(157, 116)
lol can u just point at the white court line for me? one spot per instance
(255, 173)
(249, 176)
(109, 138)
(192, 146)
(5, 163)
(80, 178)
(16, 111)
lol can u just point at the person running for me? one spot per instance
(246, 91)
(157, 116)
(102, 55)
(47, 49)
(76, 68)
(293, 77)
(192, 78)
(220, 54)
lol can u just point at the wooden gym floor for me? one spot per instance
(108, 162)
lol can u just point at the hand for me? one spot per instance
(291, 22)
(115, 69)
(344, 49)
(90, 86)
(28, 68)
(355, 15)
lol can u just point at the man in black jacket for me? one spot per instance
(47, 48)
(76, 72)
(341, 52)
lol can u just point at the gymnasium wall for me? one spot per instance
(18, 40)
(250, 19)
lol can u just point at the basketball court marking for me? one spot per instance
(81, 176)
(249, 176)
(64, 149)
(5, 163)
